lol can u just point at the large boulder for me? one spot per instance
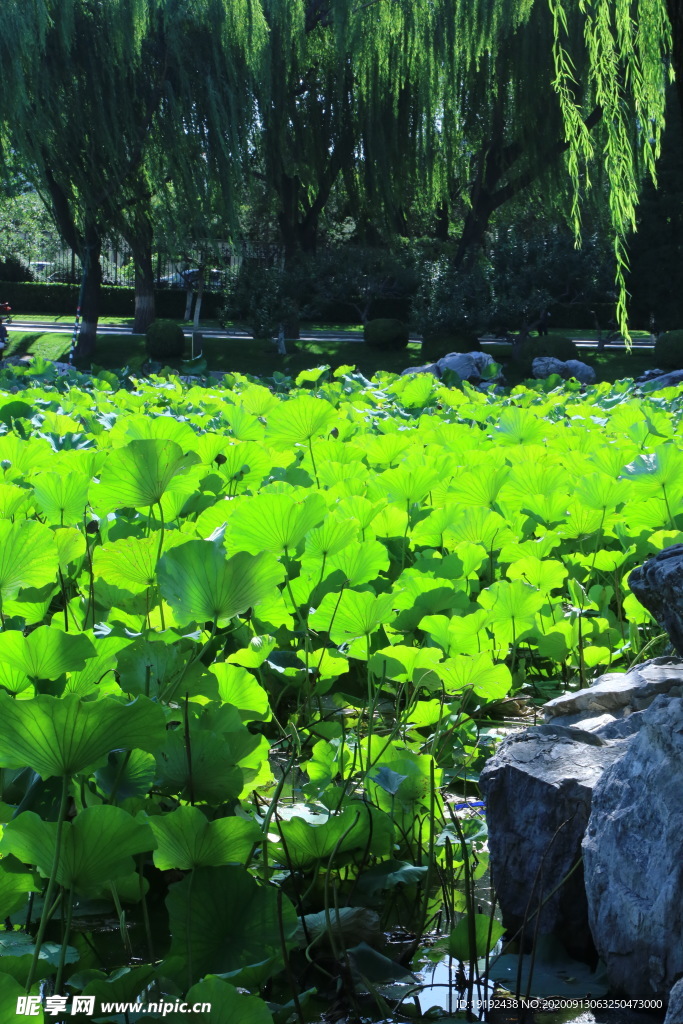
(539, 791)
(468, 365)
(661, 380)
(632, 857)
(658, 585)
(546, 366)
(582, 372)
(674, 1013)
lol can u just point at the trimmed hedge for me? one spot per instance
(165, 341)
(669, 350)
(62, 300)
(386, 335)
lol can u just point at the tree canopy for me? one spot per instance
(442, 105)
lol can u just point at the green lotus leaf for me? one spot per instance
(70, 544)
(407, 664)
(221, 919)
(145, 428)
(357, 827)
(98, 668)
(15, 885)
(274, 522)
(96, 848)
(13, 499)
(546, 574)
(479, 526)
(46, 653)
(127, 775)
(123, 985)
(359, 563)
(28, 557)
(415, 786)
(129, 564)
(65, 735)
(238, 687)
(186, 839)
(332, 537)
(599, 491)
(476, 672)
(210, 773)
(255, 653)
(61, 497)
(243, 425)
(352, 615)
(299, 420)
(521, 426)
(228, 1005)
(404, 485)
(480, 487)
(485, 933)
(202, 585)
(16, 954)
(138, 475)
(514, 604)
(257, 399)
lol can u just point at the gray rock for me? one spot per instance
(546, 366)
(468, 365)
(618, 694)
(674, 1013)
(651, 374)
(662, 380)
(658, 585)
(581, 371)
(632, 857)
(427, 368)
(539, 791)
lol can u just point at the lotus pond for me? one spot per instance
(258, 639)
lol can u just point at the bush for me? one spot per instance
(386, 335)
(115, 300)
(557, 346)
(669, 350)
(436, 345)
(165, 341)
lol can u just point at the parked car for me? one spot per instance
(190, 277)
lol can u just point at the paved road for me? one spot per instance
(311, 335)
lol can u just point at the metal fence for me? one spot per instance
(219, 260)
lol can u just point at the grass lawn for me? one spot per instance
(244, 355)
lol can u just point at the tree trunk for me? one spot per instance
(90, 293)
(144, 291)
(188, 302)
(198, 300)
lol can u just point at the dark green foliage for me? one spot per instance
(165, 341)
(669, 350)
(386, 334)
(62, 299)
(440, 344)
(12, 269)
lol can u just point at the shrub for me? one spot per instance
(555, 345)
(165, 341)
(438, 344)
(386, 335)
(669, 350)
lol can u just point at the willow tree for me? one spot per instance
(103, 102)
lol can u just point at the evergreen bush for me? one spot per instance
(165, 341)
(386, 335)
(669, 350)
